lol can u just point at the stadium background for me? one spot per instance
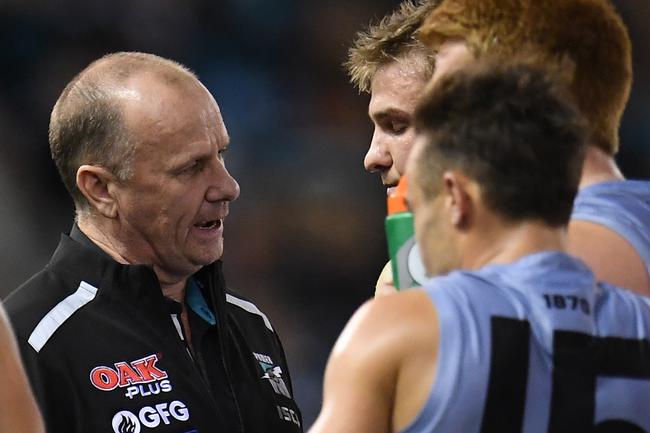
(305, 239)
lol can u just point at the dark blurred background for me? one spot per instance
(305, 239)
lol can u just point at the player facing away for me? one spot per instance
(514, 335)
(610, 225)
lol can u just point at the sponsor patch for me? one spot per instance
(141, 377)
(287, 414)
(126, 422)
(150, 417)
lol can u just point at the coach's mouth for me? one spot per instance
(208, 225)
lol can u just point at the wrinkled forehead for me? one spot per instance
(153, 107)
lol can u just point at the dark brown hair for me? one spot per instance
(513, 129)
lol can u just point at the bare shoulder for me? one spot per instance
(611, 257)
(390, 324)
(367, 363)
(383, 364)
(394, 341)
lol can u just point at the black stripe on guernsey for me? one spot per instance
(578, 359)
(623, 357)
(505, 402)
(572, 409)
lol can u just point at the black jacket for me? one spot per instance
(104, 352)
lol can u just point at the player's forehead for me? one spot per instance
(396, 86)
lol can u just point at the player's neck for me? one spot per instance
(507, 244)
(599, 167)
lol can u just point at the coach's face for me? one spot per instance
(395, 90)
(172, 209)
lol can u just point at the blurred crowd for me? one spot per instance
(305, 239)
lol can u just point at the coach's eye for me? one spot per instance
(193, 167)
(398, 127)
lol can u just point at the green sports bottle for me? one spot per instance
(404, 252)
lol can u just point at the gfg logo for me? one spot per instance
(125, 422)
(150, 416)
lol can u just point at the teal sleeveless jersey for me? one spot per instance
(537, 346)
(621, 206)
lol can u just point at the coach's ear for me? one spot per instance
(459, 198)
(96, 184)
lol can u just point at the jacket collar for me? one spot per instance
(80, 237)
(79, 258)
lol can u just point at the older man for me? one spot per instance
(130, 327)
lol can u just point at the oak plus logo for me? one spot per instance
(150, 417)
(140, 377)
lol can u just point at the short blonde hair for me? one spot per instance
(589, 33)
(391, 39)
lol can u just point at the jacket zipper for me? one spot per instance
(232, 389)
(185, 348)
(222, 313)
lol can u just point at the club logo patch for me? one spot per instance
(272, 373)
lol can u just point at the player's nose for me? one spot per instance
(378, 157)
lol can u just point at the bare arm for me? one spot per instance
(18, 410)
(369, 382)
(610, 256)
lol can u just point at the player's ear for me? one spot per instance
(458, 198)
(97, 185)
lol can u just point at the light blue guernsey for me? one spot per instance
(621, 206)
(537, 346)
